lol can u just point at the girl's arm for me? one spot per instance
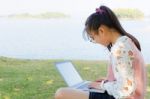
(123, 57)
(110, 74)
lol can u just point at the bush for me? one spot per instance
(128, 13)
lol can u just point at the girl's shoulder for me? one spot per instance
(122, 39)
(122, 43)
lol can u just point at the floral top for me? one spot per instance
(121, 60)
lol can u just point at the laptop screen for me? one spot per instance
(69, 73)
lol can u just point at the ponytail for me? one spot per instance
(116, 24)
(105, 16)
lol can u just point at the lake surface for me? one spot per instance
(60, 38)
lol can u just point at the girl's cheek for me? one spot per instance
(104, 42)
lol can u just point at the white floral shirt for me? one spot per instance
(122, 57)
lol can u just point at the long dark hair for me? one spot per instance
(105, 16)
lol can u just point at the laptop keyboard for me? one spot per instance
(84, 86)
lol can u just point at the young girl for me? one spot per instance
(126, 73)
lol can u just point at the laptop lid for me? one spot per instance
(69, 73)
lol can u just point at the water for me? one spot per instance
(61, 38)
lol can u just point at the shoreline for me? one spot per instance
(78, 60)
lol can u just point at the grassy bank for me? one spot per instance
(39, 79)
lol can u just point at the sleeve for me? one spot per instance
(123, 70)
(110, 75)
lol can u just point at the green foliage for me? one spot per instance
(129, 13)
(46, 15)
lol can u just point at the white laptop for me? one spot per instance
(72, 77)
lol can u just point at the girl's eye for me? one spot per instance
(92, 40)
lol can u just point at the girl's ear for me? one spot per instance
(101, 30)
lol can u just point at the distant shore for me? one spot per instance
(122, 13)
(46, 15)
(128, 13)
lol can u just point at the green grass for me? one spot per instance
(39, 79)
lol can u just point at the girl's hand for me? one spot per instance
(95, 85)
(100, 80)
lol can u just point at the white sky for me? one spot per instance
(75, 7)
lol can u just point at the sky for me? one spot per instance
(73, 7)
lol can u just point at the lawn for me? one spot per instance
(39, 79)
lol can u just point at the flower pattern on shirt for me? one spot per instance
(122, 56)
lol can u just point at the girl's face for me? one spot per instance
(102, 36)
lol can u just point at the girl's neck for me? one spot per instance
(114, 37)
